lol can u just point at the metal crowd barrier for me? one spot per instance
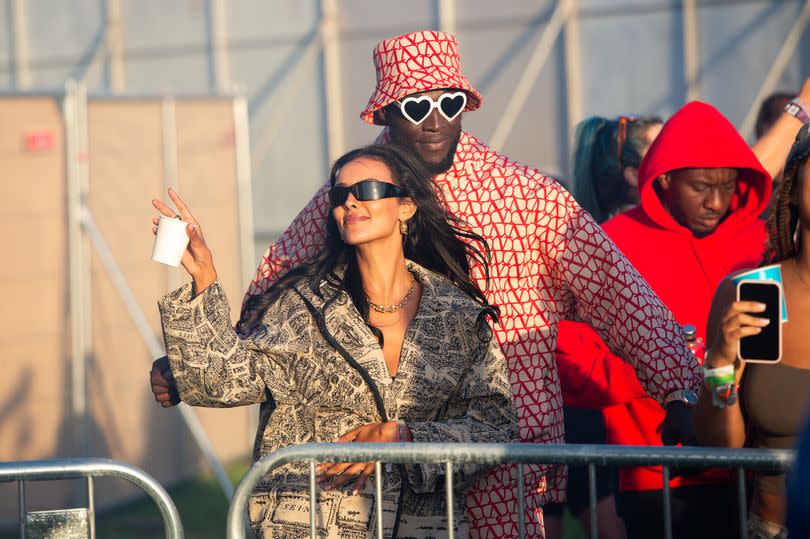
(520, 454)
(48, 470)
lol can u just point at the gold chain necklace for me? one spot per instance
(796, 272)
(398, 306)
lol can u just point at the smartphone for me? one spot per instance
(766, 346)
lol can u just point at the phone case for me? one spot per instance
(778, 310)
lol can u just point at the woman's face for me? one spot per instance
(364, 222)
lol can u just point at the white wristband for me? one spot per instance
(719, 371)
(798, 109)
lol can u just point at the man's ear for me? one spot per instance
(381, 116)
(631, 176)
(665, 181)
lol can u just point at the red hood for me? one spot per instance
(698, 136)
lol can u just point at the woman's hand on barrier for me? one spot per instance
(197, 260)
(336, 474)
(735, 324)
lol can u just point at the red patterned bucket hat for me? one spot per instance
(417, 62)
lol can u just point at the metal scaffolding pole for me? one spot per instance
(691, 49)
(447, 16)
(333, 83)
(573, 68)
(777, 68)
(530, 75)
(74, 110)
(169, 135)
(244, 186)
(114, 40)
(170, 176)
(219, 50)
(22, 66)
(244, 190)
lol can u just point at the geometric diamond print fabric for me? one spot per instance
(550, 262)
(417, 62)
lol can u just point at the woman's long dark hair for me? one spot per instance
(598, 165)
(433, 240)
(784, 219)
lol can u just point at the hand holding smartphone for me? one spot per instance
(765, 346)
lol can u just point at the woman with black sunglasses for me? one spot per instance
(382, 338)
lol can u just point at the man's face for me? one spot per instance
(698, 198)
(434, 140)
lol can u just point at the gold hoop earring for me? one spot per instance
(403, 228)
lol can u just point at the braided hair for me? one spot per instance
(784, 219)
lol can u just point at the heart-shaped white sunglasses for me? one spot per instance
(416, 109)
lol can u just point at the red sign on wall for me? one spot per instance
(39, 141)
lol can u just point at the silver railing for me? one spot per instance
(89, 468)
(493, 454)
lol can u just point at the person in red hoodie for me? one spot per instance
(702, 190)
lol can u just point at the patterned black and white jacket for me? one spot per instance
(451, 386)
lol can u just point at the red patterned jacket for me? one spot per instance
(550, 262)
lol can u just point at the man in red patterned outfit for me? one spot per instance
(550, 262)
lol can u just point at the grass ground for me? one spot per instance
(202, 509)
(200, 502)
(572, 527)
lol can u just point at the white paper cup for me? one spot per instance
(170, 242)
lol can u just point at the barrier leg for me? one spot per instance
(742, 502)
(521, 502)
(378, 503)
(448, 478)
(592, 496)
(667, 505)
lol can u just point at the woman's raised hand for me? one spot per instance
(736, 324)
(197, 260)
